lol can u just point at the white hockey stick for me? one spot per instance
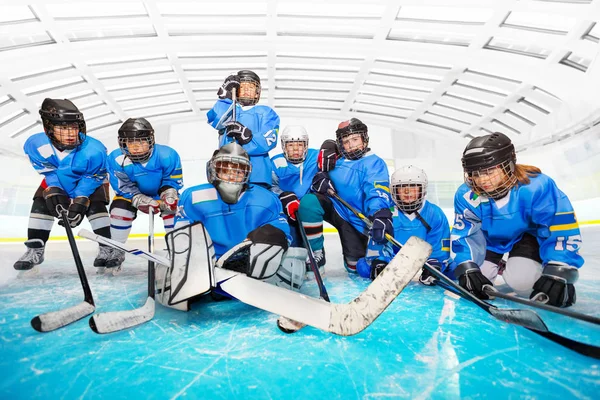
(341, 319)
(114, 321)
(57, 319)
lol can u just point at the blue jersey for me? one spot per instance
(79, 172)
(364, 184)
(129, 178)
(407, 225)
(229, 224)
(538, 208)
(297, 178)
(263, 121)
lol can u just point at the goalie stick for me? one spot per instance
(57, 319)
(340, 319)
(528, 319)
(287, 325)
(114, 321)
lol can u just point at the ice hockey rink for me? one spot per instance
(427, 344)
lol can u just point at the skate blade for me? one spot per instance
(29, 273)
(100, 270)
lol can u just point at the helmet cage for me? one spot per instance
(506, 167)
(222, 172)
(408, 207)
(127, 138)
(245, 78)
(52, 118)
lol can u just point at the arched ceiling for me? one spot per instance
(445, 69)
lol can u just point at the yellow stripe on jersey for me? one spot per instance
(564, 227)
(445, 244)
(176, 176)
(378, 186)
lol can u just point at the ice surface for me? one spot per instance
(427, 344)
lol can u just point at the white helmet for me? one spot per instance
(228, 171)
(405, 177)
(294, 133)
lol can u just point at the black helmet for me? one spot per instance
(249, 76)
(62, 112)
(351, 127)
(133, 130)
(488, 152)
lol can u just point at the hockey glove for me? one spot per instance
(556, 286)
(328, 155)
(290, 204)
(382, 224)
(239, 132)
(77, 210)
(259, 255)
(427, 278)
(232, 82)
(145, 203)
(57, 200)
(168, 200)
(376, 267)
(471, 278)
(321, 183)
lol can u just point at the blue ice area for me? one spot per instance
(427, 344)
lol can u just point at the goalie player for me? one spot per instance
(144, 175)
(74, 169)
(242, 222)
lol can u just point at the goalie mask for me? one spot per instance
(294, 143)
(352, 138)
(409, 188)
(63, 123)
(136, 139)
(249, 92)
(228, 171)
(489, 165)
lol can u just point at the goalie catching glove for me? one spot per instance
(259, 256)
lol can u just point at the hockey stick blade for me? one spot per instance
(340, 319)
(57, 319)
(122, 246)
(114, 321)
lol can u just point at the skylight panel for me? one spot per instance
(141, 85)
(468, 99)
(7, 118)
(377, 114)
(78, 10)
(556, 24)
(503, 127)
(114, 29)
(593, 33)
(402, 74)
(441, 38)
(438, 125)
(212, 8)
(447, 117)
(486, 88)
(43, 71)
(309, 58)
(32, 128)
(131, 72)
(310, 88)
(23, 36)
(4, 100)
(129, 59)
(16, 15)
(389, 96)
(411, 64)
(519, 117)
(383, 105)
(458, 109)
(53, 85)
(508, 46)
(337, 10)
(457, 15)
(533, 104)
(149, 95)
(575, 61)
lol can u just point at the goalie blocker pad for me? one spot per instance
(259, 256)
(191, 272)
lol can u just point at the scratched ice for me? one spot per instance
(426, 345)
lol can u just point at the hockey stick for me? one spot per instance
(341, 319)
(57, 319)
(528, 319)
(114, 321)
(546, 307)
(284, 324)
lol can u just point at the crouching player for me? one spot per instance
(414, 216)
(145, 176)
(228, 217)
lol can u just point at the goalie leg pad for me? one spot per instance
(191, 271)
(291, 273)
